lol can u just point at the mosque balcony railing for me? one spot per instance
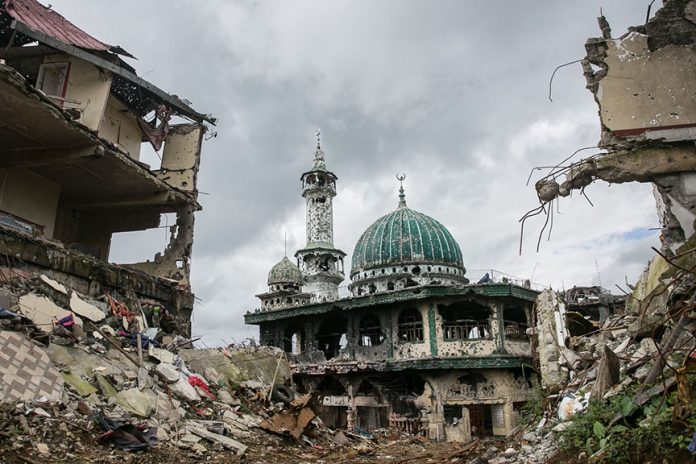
(494, 276)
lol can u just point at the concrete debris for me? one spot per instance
(607, 373)
(42, 311)
(223, 440)
(161, 355)
(168, 371)
(55, 285)
(85, 309)
(185, 390)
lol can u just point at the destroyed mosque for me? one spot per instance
(416, 345)
(416, 359)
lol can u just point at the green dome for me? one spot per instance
(405, 236)
(285, 272)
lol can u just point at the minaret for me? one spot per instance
(321, 264)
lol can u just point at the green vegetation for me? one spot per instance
(532, 410)
(646, 431)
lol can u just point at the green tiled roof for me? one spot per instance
(405, 236)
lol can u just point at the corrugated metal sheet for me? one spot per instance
(43, 19)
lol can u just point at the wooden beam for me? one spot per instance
(38, 157)
(104, 64)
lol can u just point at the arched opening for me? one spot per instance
(390, 285)
(410, 326)
(414, 395)
(465, 320)
(332, 402)
(294, 340)
(370, 331)
(515, 323)
(372, 288)
(370, 407)
(331, 336)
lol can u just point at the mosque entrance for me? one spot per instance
(480, 419)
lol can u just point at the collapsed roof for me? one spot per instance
(23, 22)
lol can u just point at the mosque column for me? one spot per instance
(497, 326)
(352, 412)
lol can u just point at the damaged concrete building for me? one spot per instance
(643, 83)
(73, 118)
(415, 345)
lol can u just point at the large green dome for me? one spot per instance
(405, 236)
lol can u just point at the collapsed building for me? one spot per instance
(416, 345)
(73, 119)
(644, 87)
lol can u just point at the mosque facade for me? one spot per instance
(415, 345)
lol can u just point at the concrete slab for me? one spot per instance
(42, 311)
(85, 309)
(54, 284)
(82, 387)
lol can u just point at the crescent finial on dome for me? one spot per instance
(402, 196)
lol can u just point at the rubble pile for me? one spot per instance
(82, 378)
(85, 380)
(637, 367)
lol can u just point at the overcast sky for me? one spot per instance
(452, 93)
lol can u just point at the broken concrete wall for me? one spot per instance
(181, 156)
(638, 93)
(32, 257)
(643, 83)
(87, 89)
(551, 333)
(30, 196)
(175, 262)
(119, 126)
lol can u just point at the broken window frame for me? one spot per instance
(515, 323)
(459, 324)
(370, 331)
(62, 84)
(410, 325)
(515, 331)
(465, 330)
(330, 335)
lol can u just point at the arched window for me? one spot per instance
(370, 331)
(515, 323)
(410, 326)
(465, 320)
(331, 336)
(294, 339)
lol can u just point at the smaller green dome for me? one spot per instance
(285, 272)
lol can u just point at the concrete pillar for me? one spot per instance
(436, 419)
(389, 335)
(352, 413)
(497, 328)
(432, 330)
(466, 425)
